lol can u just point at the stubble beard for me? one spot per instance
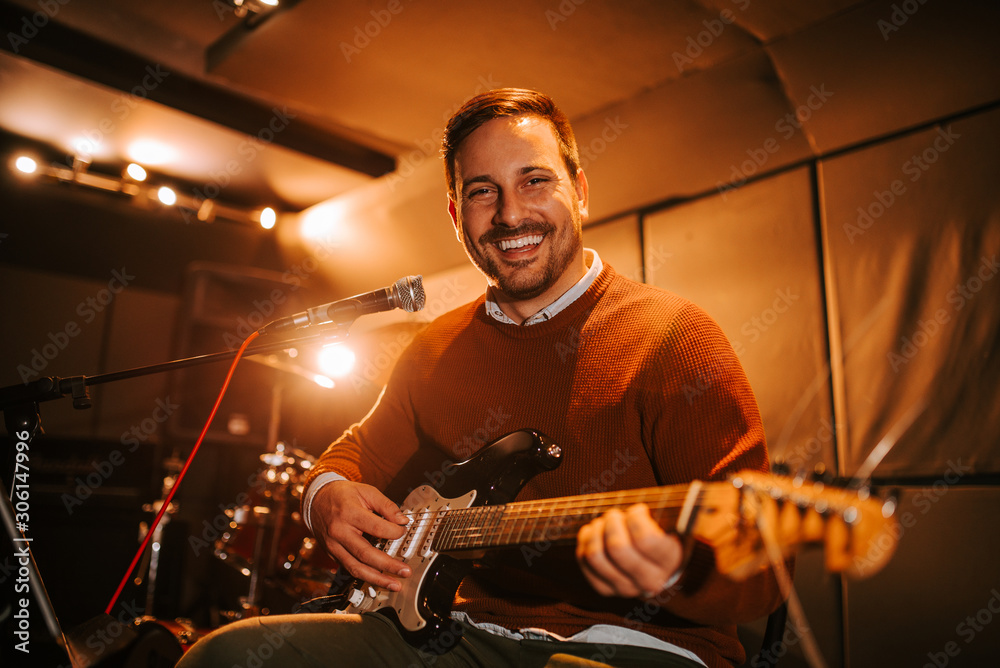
(520, 285)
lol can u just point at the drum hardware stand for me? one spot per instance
(173, 466)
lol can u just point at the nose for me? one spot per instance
(510, 210)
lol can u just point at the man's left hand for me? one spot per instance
(627, 553)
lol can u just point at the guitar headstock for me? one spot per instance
(736, 517)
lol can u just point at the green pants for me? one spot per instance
(332, 641)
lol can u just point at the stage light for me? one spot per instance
(267, 218)
(323, 381)
(135, 172)
(336, 360)
(26, 164)
(150, 152)
(166, 195)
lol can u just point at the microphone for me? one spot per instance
(407, 293)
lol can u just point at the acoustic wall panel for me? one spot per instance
(617, 242)
(749, 258)
(937, 602)
(913, 231)
(55, 327)
(891, 65)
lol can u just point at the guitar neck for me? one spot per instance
(548, 520)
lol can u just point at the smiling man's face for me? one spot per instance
(519, 214)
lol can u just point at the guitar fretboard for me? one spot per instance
(547, 520)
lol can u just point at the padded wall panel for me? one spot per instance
(937, 602)
(749, 258)
(892, 65)
(689, 136)
(51, 329)
(617, 242)
(141, 334)
(913, 230)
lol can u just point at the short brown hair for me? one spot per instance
(499, 103)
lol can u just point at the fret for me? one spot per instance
(554, 520)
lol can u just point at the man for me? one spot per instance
(637, 386)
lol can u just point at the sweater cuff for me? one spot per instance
(317, 483)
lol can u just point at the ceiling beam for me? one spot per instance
(35, 36)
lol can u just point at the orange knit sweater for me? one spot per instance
(637, 385)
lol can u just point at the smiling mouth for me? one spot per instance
(526, 242)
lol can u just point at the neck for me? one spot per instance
(520, 310)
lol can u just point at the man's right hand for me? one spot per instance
(341, 512)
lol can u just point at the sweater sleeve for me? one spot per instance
(703, 424)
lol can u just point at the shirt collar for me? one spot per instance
(558, 305)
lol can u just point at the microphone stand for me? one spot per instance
(22, 418)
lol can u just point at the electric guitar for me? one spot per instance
(474, 511)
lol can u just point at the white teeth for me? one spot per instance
(521, 242)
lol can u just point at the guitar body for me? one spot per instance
(421, 611)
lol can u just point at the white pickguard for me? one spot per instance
(424, 506)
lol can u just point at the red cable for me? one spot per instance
(177, 483)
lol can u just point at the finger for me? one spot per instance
(650, 556)
(587, 543)
(609, 533)
(363, 571)
(382, 505)
(650, 540)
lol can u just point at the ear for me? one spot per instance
(452, 212)
(582, 193)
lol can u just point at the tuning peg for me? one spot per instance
(780, 467)
(820, 474)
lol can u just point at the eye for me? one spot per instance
(482, 194)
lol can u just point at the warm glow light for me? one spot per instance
(26, 164)
(269, 3)
(136, 172)
(267, 218)
(323, 381)
(325, 224)
(166, 195)
(336, 360)
(85, 149)
(150, 152)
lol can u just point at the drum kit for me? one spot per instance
(266, 539)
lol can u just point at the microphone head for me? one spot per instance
(409, 293)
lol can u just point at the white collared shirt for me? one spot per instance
(565, 300)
